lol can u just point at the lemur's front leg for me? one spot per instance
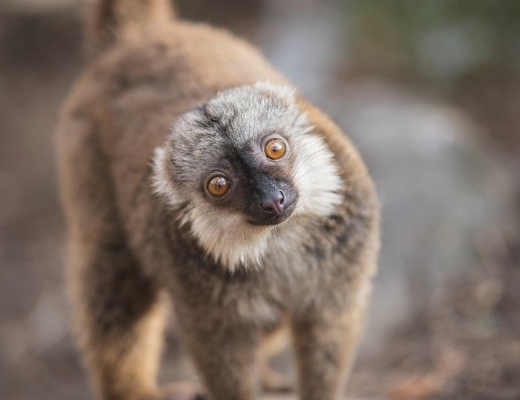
(224, 351)
(325, 341)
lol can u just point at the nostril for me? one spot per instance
(274, 205)
(282, 198)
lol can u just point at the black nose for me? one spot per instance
(275, 204)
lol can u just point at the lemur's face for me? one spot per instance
(254, 179)
(242, 164)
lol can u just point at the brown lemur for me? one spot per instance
(192, 170)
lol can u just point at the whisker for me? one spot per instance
(325, 147)
(307, 159)
(301, 176)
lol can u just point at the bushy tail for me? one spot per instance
(107, 19)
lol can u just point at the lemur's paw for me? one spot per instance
(275, 382)
(181, 391)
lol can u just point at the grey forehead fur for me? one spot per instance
(234, 117)
(252, 111)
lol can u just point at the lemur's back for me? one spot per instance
(173, 67)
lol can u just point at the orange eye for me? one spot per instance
(275, 149)
(218, 186)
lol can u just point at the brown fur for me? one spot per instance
(127, 250)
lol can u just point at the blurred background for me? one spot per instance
(429, 91)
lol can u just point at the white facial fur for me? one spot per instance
(253, 110)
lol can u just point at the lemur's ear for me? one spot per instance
(162, 178)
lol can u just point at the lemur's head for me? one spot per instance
(242, 165)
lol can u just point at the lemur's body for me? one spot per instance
(137, 230)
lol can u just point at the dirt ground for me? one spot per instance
(467, 346)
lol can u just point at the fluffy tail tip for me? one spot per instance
(108, 19)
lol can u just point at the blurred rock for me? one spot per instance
(440, 190)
